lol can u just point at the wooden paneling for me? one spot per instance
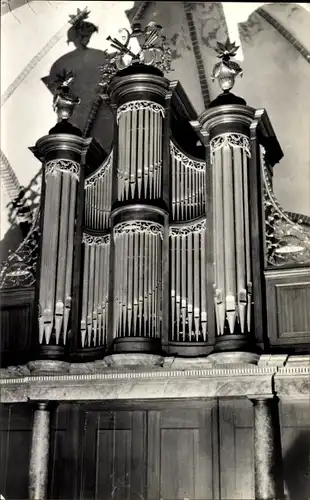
(16, 325)
(15, 444)
(64, 452)
(236, 449)
(113, 463)
(288, 312)
(181, 459)
(295, 430)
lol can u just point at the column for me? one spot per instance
(267, 450)
(139, 213)
(235, 243)
(65, 158)
(38, 470)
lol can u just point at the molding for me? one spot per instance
(139, 105)
(194, 226)
(187, 160)
(285, 33)
(197, 55)
(177, 378)
(90, 239)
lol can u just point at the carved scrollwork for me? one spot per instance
(89, 239)
(139, 227)
(19, 270)
(232, 140)
(187, 162)
(100, 172)
(286, 241)
(62, 165)
(197, 227)
(138, 105)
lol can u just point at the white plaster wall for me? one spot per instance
(277, 78)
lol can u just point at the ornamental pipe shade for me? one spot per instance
(235, 246)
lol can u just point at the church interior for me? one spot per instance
(155, 250)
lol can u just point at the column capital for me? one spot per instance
(42, 405)
(266, 399)
(69, 147)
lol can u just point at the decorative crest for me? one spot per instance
(79, 17)
(154, 51)
(226, 70)
(64, 100)
(81, 30)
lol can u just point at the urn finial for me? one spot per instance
(226, 71)
(64, 100)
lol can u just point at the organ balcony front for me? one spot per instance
(172, 243)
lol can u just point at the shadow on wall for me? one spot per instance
(85, 64)
(296, 464)
(91, 114)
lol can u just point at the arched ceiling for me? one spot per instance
(276, 71)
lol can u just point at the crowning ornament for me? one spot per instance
(226, 70)
(154, 51)
(64, 100)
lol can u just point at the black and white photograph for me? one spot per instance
(155, 250)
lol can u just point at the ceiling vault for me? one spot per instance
(10, 180)
(285, 33)
(197, 54)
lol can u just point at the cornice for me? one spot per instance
(101, 382)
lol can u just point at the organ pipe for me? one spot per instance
(94, 317)
(187, 185)
(188, 274)
(55, 293)
(139, 170)
(230, 155)
(137, 278)
(98, 196)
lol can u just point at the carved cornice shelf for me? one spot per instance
(199, 379)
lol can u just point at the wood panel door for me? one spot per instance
(182, 454)
(65, 432)
(295, 430)
(236, 449)
(15, 445)
(113, 461)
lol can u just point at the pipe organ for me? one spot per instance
(156, 246)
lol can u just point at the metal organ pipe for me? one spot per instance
(61, 177)
(188, 274)
(94, 317)
(229, 156)
(139, 171)
(187, 185)
(98, 196)
(137, 278)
